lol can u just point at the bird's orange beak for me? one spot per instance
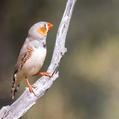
(50, 26)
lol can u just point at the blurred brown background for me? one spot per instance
(88, 86)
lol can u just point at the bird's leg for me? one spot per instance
(30, 86)
(47, 73)
(44, 74)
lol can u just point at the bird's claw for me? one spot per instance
(31, 87)
(44, 74)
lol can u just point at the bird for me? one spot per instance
(31, 57)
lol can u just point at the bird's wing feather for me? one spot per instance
(24, 55)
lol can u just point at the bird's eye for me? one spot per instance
(42, 29)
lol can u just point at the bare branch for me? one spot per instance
(27, 100)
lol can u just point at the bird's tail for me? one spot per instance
(15, 87)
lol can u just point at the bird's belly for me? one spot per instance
(35, 62)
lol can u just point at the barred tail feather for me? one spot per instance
(14, 87)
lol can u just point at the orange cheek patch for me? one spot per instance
(42, 30)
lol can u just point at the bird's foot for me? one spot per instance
(44, 74)
(31, 87)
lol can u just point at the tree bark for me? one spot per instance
(27, 99)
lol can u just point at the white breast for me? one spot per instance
(35, 62)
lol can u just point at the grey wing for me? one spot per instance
(24, 55)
